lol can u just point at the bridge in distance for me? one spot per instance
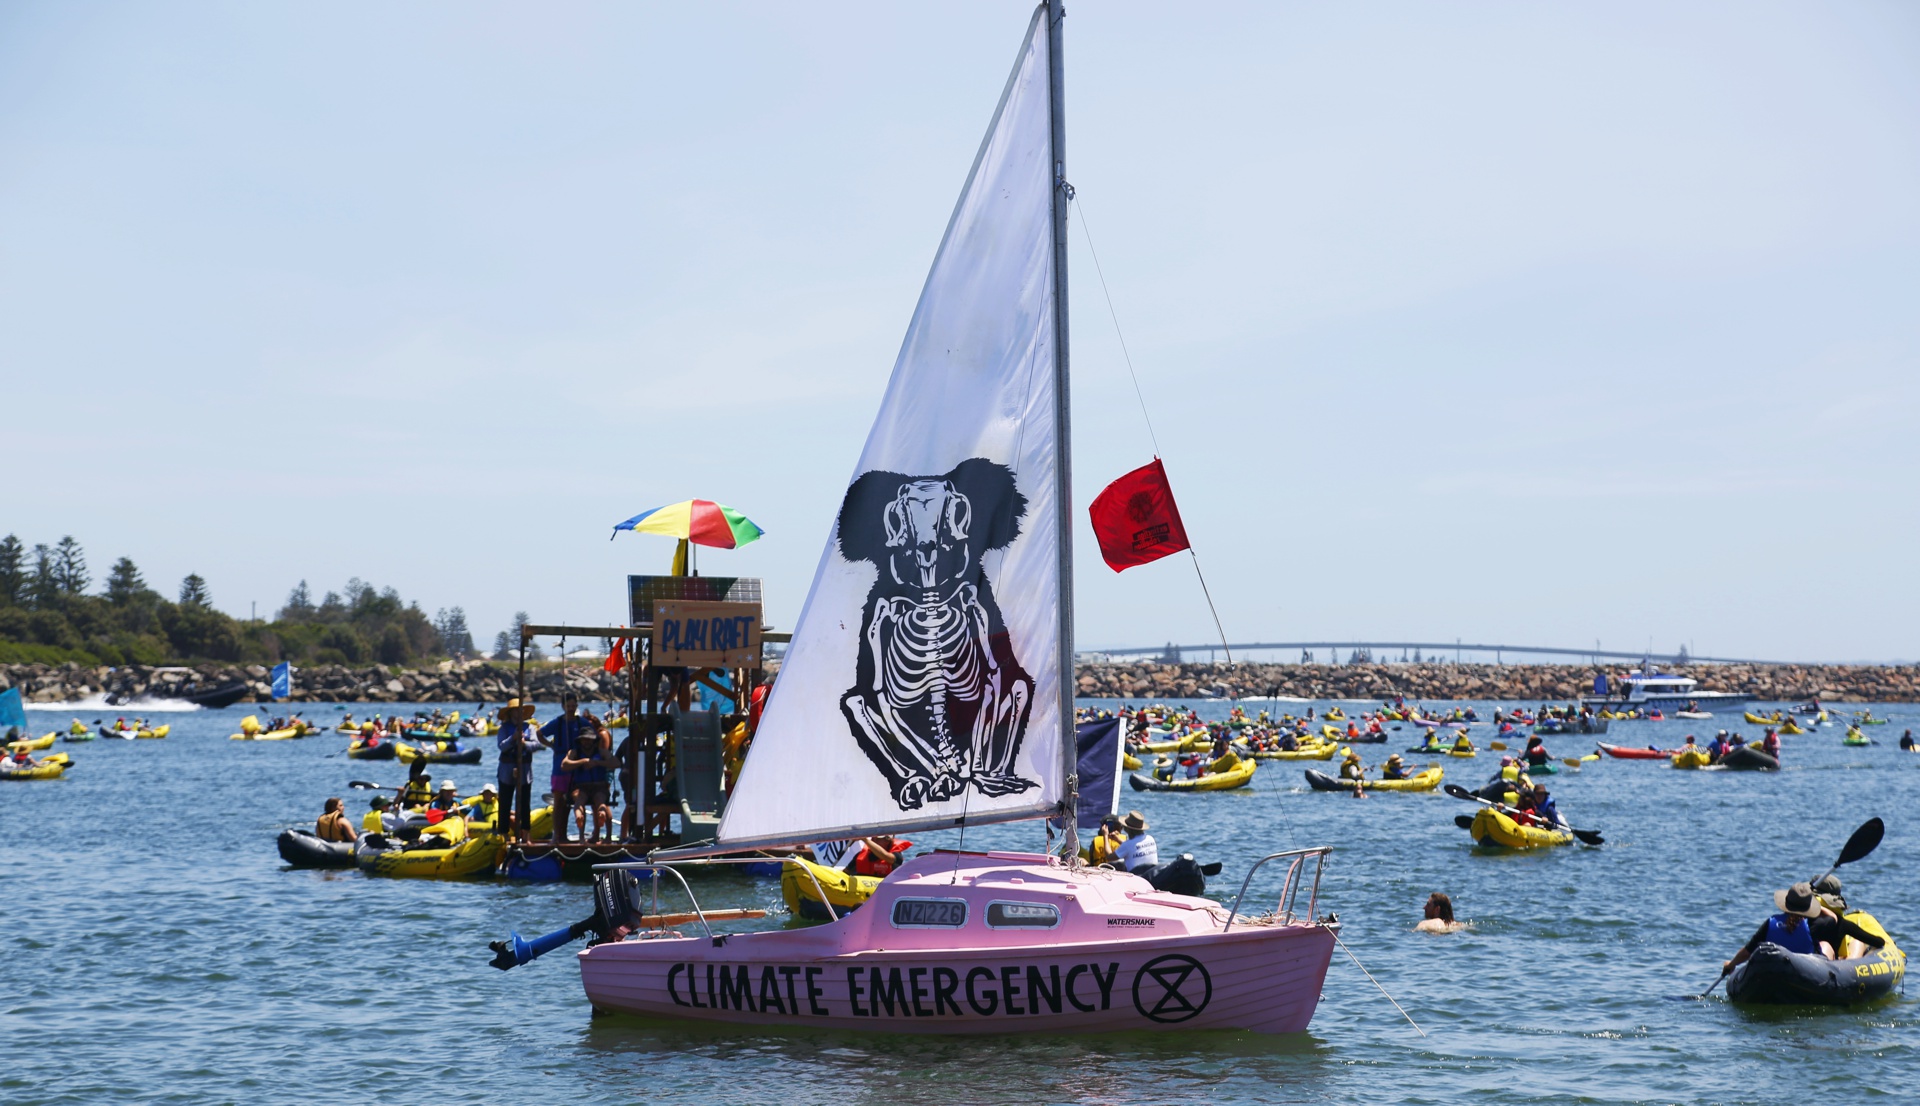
(1456, 648)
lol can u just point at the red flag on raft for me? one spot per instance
(1136, 519)
(617, 656)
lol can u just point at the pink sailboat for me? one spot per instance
(928, 686)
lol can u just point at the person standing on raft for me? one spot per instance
(1804, 925)
(517, 741)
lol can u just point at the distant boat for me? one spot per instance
(1648, 687)
(213, 699)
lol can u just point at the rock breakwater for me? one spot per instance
(1512, 682)
(447, 682)
(477, 681)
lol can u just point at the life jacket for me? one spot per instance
(371, 823)
(331, 826)
(870, 864)
(416, 793)
(1798, 938)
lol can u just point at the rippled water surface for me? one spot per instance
(160, 952)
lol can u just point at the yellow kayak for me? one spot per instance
(1762, 720)
(50, 768)
(1460, 752)
(1237, 774)
(287, 734)
(1691, 758)
(472, 857)
(34, 744)
(1309, 752)
(1130, 762)
(153, 734)
(1421, 781)
(843, 889)
(1492, 828)
(1191, 744)
(1334, 714)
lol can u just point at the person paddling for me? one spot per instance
(1803, 926)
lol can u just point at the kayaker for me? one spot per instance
(1140, 853)
(1394, 768)
(1463, 743)
(378, 818)
(332, 825)
(1828, 888)
(1351, 768)
(448, 798)
(880, 855)
(1771, 744)
(484, 807)
(419, 788)
(1537, 751)
(1544, 809)
(1803, 926)
(517, 740)
(1438, 916)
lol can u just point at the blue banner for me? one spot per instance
(1099, 744)
(283, 680)
(11, 712)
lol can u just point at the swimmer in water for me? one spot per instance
(1439, 919)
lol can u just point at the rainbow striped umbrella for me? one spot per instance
(700, 521)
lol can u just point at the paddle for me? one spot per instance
(1464, 821)
(1497, 746)
(1588, 837)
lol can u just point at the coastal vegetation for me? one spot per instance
(50, 614)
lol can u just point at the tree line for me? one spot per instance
(49, 615)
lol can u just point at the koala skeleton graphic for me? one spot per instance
(940, 703)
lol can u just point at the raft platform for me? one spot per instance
(573, 861)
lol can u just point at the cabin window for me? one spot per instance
(1022, 915)
(929, 913)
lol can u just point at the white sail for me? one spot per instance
(922, 686)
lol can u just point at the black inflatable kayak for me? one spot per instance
(1774, 975)
(1320, 781)
(1749, 758)
(303, 850)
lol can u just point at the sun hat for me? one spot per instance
(1798, 899)
(449, 785)
(1134, 822)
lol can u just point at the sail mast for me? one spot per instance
(1063, 418)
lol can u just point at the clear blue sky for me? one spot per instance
(1538, 323)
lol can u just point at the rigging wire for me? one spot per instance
(1376, 983)
(1087, 232)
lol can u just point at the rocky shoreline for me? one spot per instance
(1526, 683)
(478, 681)
(447, 682)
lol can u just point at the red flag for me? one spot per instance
(617, 656)
(1136, 519)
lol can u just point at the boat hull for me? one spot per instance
(1262, 978)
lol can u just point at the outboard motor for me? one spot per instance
(1183, 876)
(616, 909)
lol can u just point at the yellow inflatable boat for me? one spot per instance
(50, 768)
(1691, 758)
(1491, 828)
(34, 744)
(844, 890)
(472, 857)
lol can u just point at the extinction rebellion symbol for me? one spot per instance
(1171, 988)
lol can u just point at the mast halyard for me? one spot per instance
(1063, 418)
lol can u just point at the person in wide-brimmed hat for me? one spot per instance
(517, 742)
(1140, 853)
(1804, 925)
